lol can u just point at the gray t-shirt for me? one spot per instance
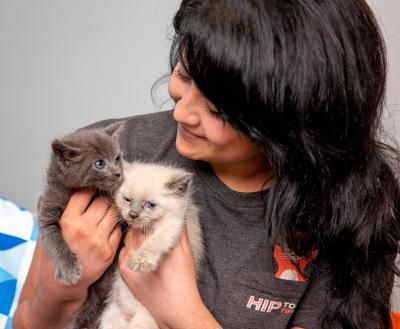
(238, 281)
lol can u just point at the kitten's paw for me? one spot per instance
(143, 263)
(69, 276)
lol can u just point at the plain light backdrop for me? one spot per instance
(64, 64)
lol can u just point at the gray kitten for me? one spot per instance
(86, 159)
(156, 199)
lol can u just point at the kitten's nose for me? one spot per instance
(133, 214)
(118, 174)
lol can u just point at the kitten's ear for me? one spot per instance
(65, 151)
(114, 129)
(179, 183)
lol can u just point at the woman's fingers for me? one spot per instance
(171, 287)
(115, 236)
(122, 256)
(114, 240)
(98, 209)
(78, 203)
(89, 227)
(109, 221)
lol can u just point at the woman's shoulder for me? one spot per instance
(147, 137)
(156, 120)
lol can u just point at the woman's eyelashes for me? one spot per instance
(213, 113)
(211, 109)
(181, 76)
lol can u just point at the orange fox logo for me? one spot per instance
(291, 267)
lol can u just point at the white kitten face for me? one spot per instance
(151, 192)
(139, 209)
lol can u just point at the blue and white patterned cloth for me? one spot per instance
(18, 234)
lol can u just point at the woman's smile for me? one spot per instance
(187, 134)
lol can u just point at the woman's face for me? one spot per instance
(202, 133)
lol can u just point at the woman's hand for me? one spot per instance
(170, 294)
(90, 231)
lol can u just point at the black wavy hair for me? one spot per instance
(305, 80)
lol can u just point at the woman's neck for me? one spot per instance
(247, 176)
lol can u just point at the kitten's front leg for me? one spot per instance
(144, 261)
(160, 242)
(66, 266)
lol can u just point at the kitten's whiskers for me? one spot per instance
(147, 229)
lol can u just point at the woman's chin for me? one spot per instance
(186, 150)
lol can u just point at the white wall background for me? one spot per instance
(64, 64)
(388, 14)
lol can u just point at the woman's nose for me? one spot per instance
(183, 113)
(187, 108)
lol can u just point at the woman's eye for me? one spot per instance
(100, 164)
(181, 76)
(214, 113)
(128, 200)
(149, 205)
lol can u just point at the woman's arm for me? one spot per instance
(91, 233)
(170, 294)
(44, 303)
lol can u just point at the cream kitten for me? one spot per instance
(157, 200)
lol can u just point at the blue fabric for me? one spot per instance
(7, 289)
(18, 235)
(9, 241)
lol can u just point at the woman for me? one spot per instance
(278, 107)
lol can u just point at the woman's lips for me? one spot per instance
(186, 134)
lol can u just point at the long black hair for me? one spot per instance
(305, 80)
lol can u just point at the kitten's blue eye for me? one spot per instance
(100, 164)
(128, 200)
(149, 205)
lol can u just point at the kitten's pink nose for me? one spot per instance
(133, 214)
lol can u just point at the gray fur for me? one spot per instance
(71, 168)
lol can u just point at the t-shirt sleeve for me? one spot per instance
(312, 305)
(147, 137)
